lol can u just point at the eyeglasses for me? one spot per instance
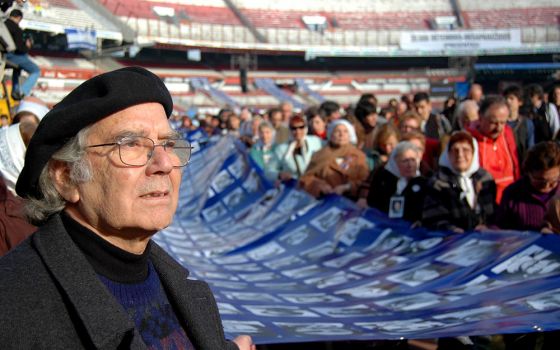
(138, 150)
(297, 127)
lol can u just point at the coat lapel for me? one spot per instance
(102, 317)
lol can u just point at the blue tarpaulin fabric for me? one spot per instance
(285, 267)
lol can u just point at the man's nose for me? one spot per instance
(161, 159)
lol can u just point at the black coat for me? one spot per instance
(383, 186)
(51, 298)
(445, 208)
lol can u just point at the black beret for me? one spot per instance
(90, 102)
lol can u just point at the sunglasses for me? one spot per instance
(297, 127)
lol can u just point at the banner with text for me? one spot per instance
(459, 40)
(288, 268)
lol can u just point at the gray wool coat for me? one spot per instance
(51, 298)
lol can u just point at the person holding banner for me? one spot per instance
(339, 167)
(461, 195)
(398, 189)
(101, 177)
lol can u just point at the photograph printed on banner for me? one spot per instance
(234, 198)
(211, 275)
(358, 310)
(248, 296)
(298, 235)
(281, 263)
(279, 286)
(343, 260)
(351, 228)
(305, 271)
(252, 183)
(532, 262)
(279, 311)
(310, 298)
(214, 212)
(294, 201)
(373, 289)
(336, 279)
(472, 252)
(315, 328)
(402, 326)
(266, 251)
(318, 251)
(546, 301)
(380, 263)
(246, 327)
(472, 315)
(328, 219)
(230, 285)
(414, 301)
(238, 167)
(389, 241)
(230, 259)
(418, 275)
(221, 181)
(258, 277)
(478, 285)
(250, 267)
(228, 309)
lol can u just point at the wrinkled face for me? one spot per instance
(340, 135)
(407, 162)
(299, 130)
(409, 125)
(386, 146)
(266, 135)
(461, 156)
(121, 200)
(513, 103)
(371, 120)
(424, 108)
(418, 143)
(492, 124)
(318, 125)
(545, 181)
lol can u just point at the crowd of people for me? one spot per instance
(484, 162)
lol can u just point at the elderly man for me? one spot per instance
(496, 143)
(102, 175)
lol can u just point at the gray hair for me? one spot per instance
(49, 201)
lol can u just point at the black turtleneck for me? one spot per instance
(108, 260)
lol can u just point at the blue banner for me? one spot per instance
(288, 268)
(81, 38)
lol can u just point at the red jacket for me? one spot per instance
(499, 158)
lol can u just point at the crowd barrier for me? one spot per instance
(285, 267)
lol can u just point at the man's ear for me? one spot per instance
(60, 174)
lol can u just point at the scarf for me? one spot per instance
(464, 178)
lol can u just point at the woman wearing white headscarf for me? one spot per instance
(398, 189)
(339, 167)
(462, 195)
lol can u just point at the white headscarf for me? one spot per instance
(465, 181)
(35, 108)
(393, 168)
(12, 155)
(349, 126)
